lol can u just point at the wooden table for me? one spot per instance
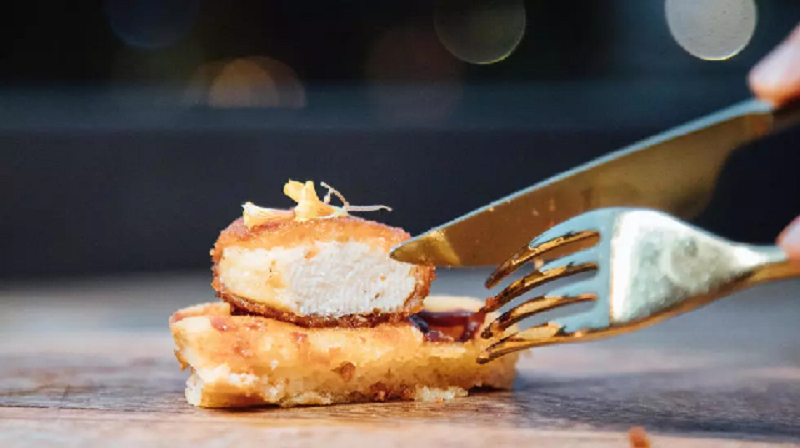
(90, 363)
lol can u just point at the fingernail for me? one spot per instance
(772, 71)
(778, 74)
(790, 239)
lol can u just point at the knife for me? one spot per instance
(675, 171)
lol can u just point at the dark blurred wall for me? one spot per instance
(109, 163)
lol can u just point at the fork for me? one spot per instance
(648, 265)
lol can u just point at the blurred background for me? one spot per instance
(132, 131)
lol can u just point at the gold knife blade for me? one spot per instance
(675, 171)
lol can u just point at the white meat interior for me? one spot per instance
(329, 279)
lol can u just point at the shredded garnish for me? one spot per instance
(255, 216)
(308, 207)
(346, 205)
(308, 204)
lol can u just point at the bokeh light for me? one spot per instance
(254, 82)
(412, 78)
(712, 29)
(480, 31)
(151, 24)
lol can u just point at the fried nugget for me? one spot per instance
(317, 269)
(239, 361)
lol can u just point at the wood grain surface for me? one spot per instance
(90, 363)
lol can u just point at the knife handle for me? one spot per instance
(786, 116)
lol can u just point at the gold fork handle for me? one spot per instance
(777, 266)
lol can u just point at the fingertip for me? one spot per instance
(776, 78)
(759, 86)
(789, 240)
(767, 79)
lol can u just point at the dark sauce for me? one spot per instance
(448, 326)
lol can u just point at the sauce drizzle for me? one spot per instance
(448, 326)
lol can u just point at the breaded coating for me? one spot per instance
(318, 273)
(239, 361)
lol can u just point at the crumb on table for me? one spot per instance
(638, 437)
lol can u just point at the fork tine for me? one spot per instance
(533, 306)
(532, 337)
(583, 291)
(578, 262)
(579, 327)
(586, 256)
(555, 237)
(541, 335)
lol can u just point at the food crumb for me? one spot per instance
(638, 437)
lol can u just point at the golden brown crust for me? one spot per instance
(253, 360)
(243, 307)
(289, 232)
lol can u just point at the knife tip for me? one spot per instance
(428, 249)
(408, 252)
